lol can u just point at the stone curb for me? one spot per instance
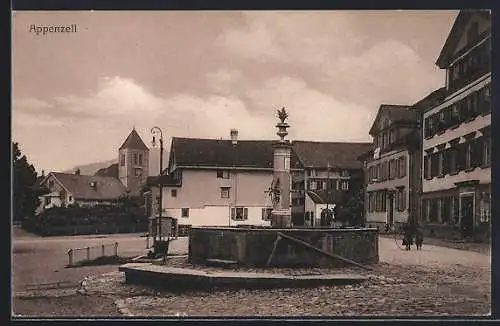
(185, 278)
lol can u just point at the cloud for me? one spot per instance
(223, 81)
(388, 72)
(354, 66)
(293, 37)
(314, 115)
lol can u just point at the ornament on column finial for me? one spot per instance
(282, 125)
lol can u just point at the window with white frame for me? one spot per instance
(344, 185)
(266, 214)
(224, 192)
(185, 212)
(239, 213)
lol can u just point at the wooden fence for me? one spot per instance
(98, 251)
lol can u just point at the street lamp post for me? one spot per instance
(157, 131)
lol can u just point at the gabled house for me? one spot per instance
(126, 178)
(456, 178)
(330, 167)
(216, 182)
(388, 165)
(68, 189)
(319, 202)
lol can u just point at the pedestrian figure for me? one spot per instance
(408, 237)
(419, 238)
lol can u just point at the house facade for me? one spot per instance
(456, 178)
(330, 167)
(387, 166)
(83, 190)
(215, 182)
(106, 186)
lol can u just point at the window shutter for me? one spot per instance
(233, 213)
(264, 214)
(245, 213)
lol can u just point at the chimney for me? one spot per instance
(77, 171)
(234, 136)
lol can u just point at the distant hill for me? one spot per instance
(92, 168)
(110, 168)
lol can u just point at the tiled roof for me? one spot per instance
(222, 153)
(134, 141)
(430, 100)
(106, 188)
(341, 155)
(321, 197)
(396, 113)
(110, 171)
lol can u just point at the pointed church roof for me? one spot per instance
(134, 141)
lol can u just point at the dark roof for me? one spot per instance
(166, 180)
(456, 32)
(110, 171)
(396, 113)
(79, 186)
(222, 153)
(134, 141)
(321, 197)
(341, 155)
(430, 100)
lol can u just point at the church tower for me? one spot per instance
(133, 162)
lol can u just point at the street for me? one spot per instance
(436, 280)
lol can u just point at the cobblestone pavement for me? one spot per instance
(390, 290)
(434, 281)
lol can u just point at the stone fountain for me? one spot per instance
(281, 244)
(257, 248)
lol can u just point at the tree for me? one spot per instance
(25, 195)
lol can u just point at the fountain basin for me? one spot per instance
(252, 246)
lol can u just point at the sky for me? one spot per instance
(76, 96)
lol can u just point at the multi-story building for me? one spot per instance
(456, 178)
(332, 175)
(219, 182)
(388, 166)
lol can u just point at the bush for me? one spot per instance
(86, 220)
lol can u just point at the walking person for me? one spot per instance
(408, 237)
(419, 238)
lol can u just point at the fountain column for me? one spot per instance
(281, 214)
